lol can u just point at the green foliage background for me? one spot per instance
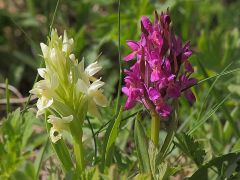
(212, 26)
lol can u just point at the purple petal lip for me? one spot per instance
(162, 70)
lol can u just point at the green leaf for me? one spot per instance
(141, 146)
(207, 116)
(224, 166)
(217, 96)
(110, 138)
(236, 147)
(234, 88)
(165, 171)
(79, 39)
(29, 170)
(170, 135)
(190, 147)
(142, 177)
(39, 159)
(204, 104)
(228, 129)
(96, 175)
(20, 175)
(28, 118)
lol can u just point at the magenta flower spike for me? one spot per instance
(162, 71)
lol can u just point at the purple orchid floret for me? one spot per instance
(162, 70)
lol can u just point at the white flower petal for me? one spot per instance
(40, 112)
(100, 99)
(93, 68)
(36, 91)
(67, 43)
(55, 135)
(81, 86)
(42, 72)
(60, 124)
(71, 41)
(65, 37)
(53, 54)
(72, 57)
(92, 109)
(53, 119)
(54, 81)
(45, 49)
(67, 119)
(43, 84)
(81, 66)
(60, 38)
(44, 103)
(95, 86)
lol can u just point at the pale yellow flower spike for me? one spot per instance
(66, 84)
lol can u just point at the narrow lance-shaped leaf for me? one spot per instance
(169, 138)
(39, 159)
(217, 96)
(207, 116)
(110, 137)
(141, 146)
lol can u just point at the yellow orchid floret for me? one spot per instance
(67, 90)
(58, 125)
(94, 95)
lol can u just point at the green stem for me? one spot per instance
(155, 128)
(78, 152)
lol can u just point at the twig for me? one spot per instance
(7, 97)
(12, 89)
(17, 100)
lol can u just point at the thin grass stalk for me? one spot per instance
(41, 159)
(94, 141)
(119, 59)
(54, 14)
(226, 112)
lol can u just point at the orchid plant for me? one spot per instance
(67, 92)
(161, 73)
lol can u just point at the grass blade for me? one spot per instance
(119, 58)
(141, 146)
(169, 138)
(39, 159)
(53, 17)
(209, 91)
(94, 140)
(218, 75)
(110, 137)
(216, 94)
(207, 116)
